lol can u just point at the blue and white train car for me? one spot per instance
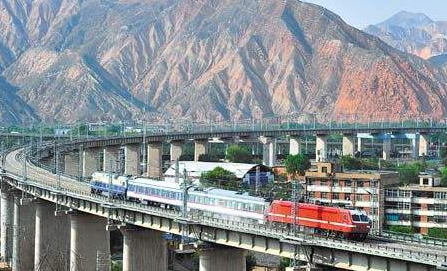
(217, 203)
(104, 183)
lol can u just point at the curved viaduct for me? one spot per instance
(49, 218)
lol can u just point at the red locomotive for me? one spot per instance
(336, 221)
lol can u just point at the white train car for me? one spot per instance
(211, 202)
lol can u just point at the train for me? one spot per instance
(233, 205)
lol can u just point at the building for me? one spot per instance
(419, 206)
(363, 190)
(247, 173)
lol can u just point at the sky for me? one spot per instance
(361, 13)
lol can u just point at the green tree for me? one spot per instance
(297, 164)
(409, 172)
(402, 229)
(443, 173)
(219, 177)
(350, 163)
(237, 154)
(437, 233)
(208, 157)
(116, 266)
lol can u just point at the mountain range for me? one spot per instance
(204, 60)
(414, 33)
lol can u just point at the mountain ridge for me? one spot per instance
(208, 60)
(414, 33)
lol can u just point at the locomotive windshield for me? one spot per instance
(364, 218)
(355, 217)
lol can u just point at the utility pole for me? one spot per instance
(144, 147)
(373, 213)
(295, 210)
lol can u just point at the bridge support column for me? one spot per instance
(132, 159)
(176, 150)
(89, 162)
(71, 163)
(423, 144)
(7, 213)
(415, 147)
(200, 147)
(222, 259)
(268, 151)
(294, 147)
(359, 145)
(23, 234)
(386, 148)
(110, 159)
(52, 239)
(88, 240)
(321, 148)
(348, 145)
(144, 250)
(155, 159)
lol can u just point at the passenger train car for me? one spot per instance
(232, 205)
(218, 202)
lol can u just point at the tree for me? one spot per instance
(443, 173)
(350, 163)
(237, 154)
(219, 177)
(297, 164)
(207, 157)
(409, 172)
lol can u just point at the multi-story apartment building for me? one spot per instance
(419, 206)
(364, 190)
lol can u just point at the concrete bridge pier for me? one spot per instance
(321, 148)
(268, 151)
(88, 240)
(144, 250)
(423, 144)
(132, 159)
(23, 234)
(7, 212)
(155, 159)
(386, 148)
(200, 147)
(52, 239)
(415, 147)
(294, 145)
(89, 161)
(110, 158)
(176, 150)
(71, 164)
(349, 145)
(222, 259)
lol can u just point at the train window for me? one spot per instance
(239, 206)
(258, 208)
(364, 218)
(221, 202)
(356, 217)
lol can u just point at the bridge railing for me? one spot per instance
(414, 239)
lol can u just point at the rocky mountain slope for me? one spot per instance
(414, 33)
(90, 60)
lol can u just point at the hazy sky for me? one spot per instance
(360, 13)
